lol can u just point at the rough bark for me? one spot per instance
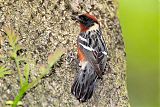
(44, 25)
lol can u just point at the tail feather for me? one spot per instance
(84, 84)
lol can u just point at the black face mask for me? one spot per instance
(86, 21)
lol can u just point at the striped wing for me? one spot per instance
(93, 46)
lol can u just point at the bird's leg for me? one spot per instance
(70, 57)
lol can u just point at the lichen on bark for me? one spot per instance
(44, 25)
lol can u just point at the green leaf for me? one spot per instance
(11, 102)
(21, 93)
(12, 38)
(4, 71)
(53, 58)
(43, 68)
(12, 54)
(10, 35)
(17, 47)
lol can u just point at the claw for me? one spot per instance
(70, 57)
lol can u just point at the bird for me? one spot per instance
(92, 55)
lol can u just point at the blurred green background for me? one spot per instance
(139, 21)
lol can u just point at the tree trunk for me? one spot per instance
(44, 25)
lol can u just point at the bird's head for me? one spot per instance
(86, 21)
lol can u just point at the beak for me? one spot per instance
(74, 17)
